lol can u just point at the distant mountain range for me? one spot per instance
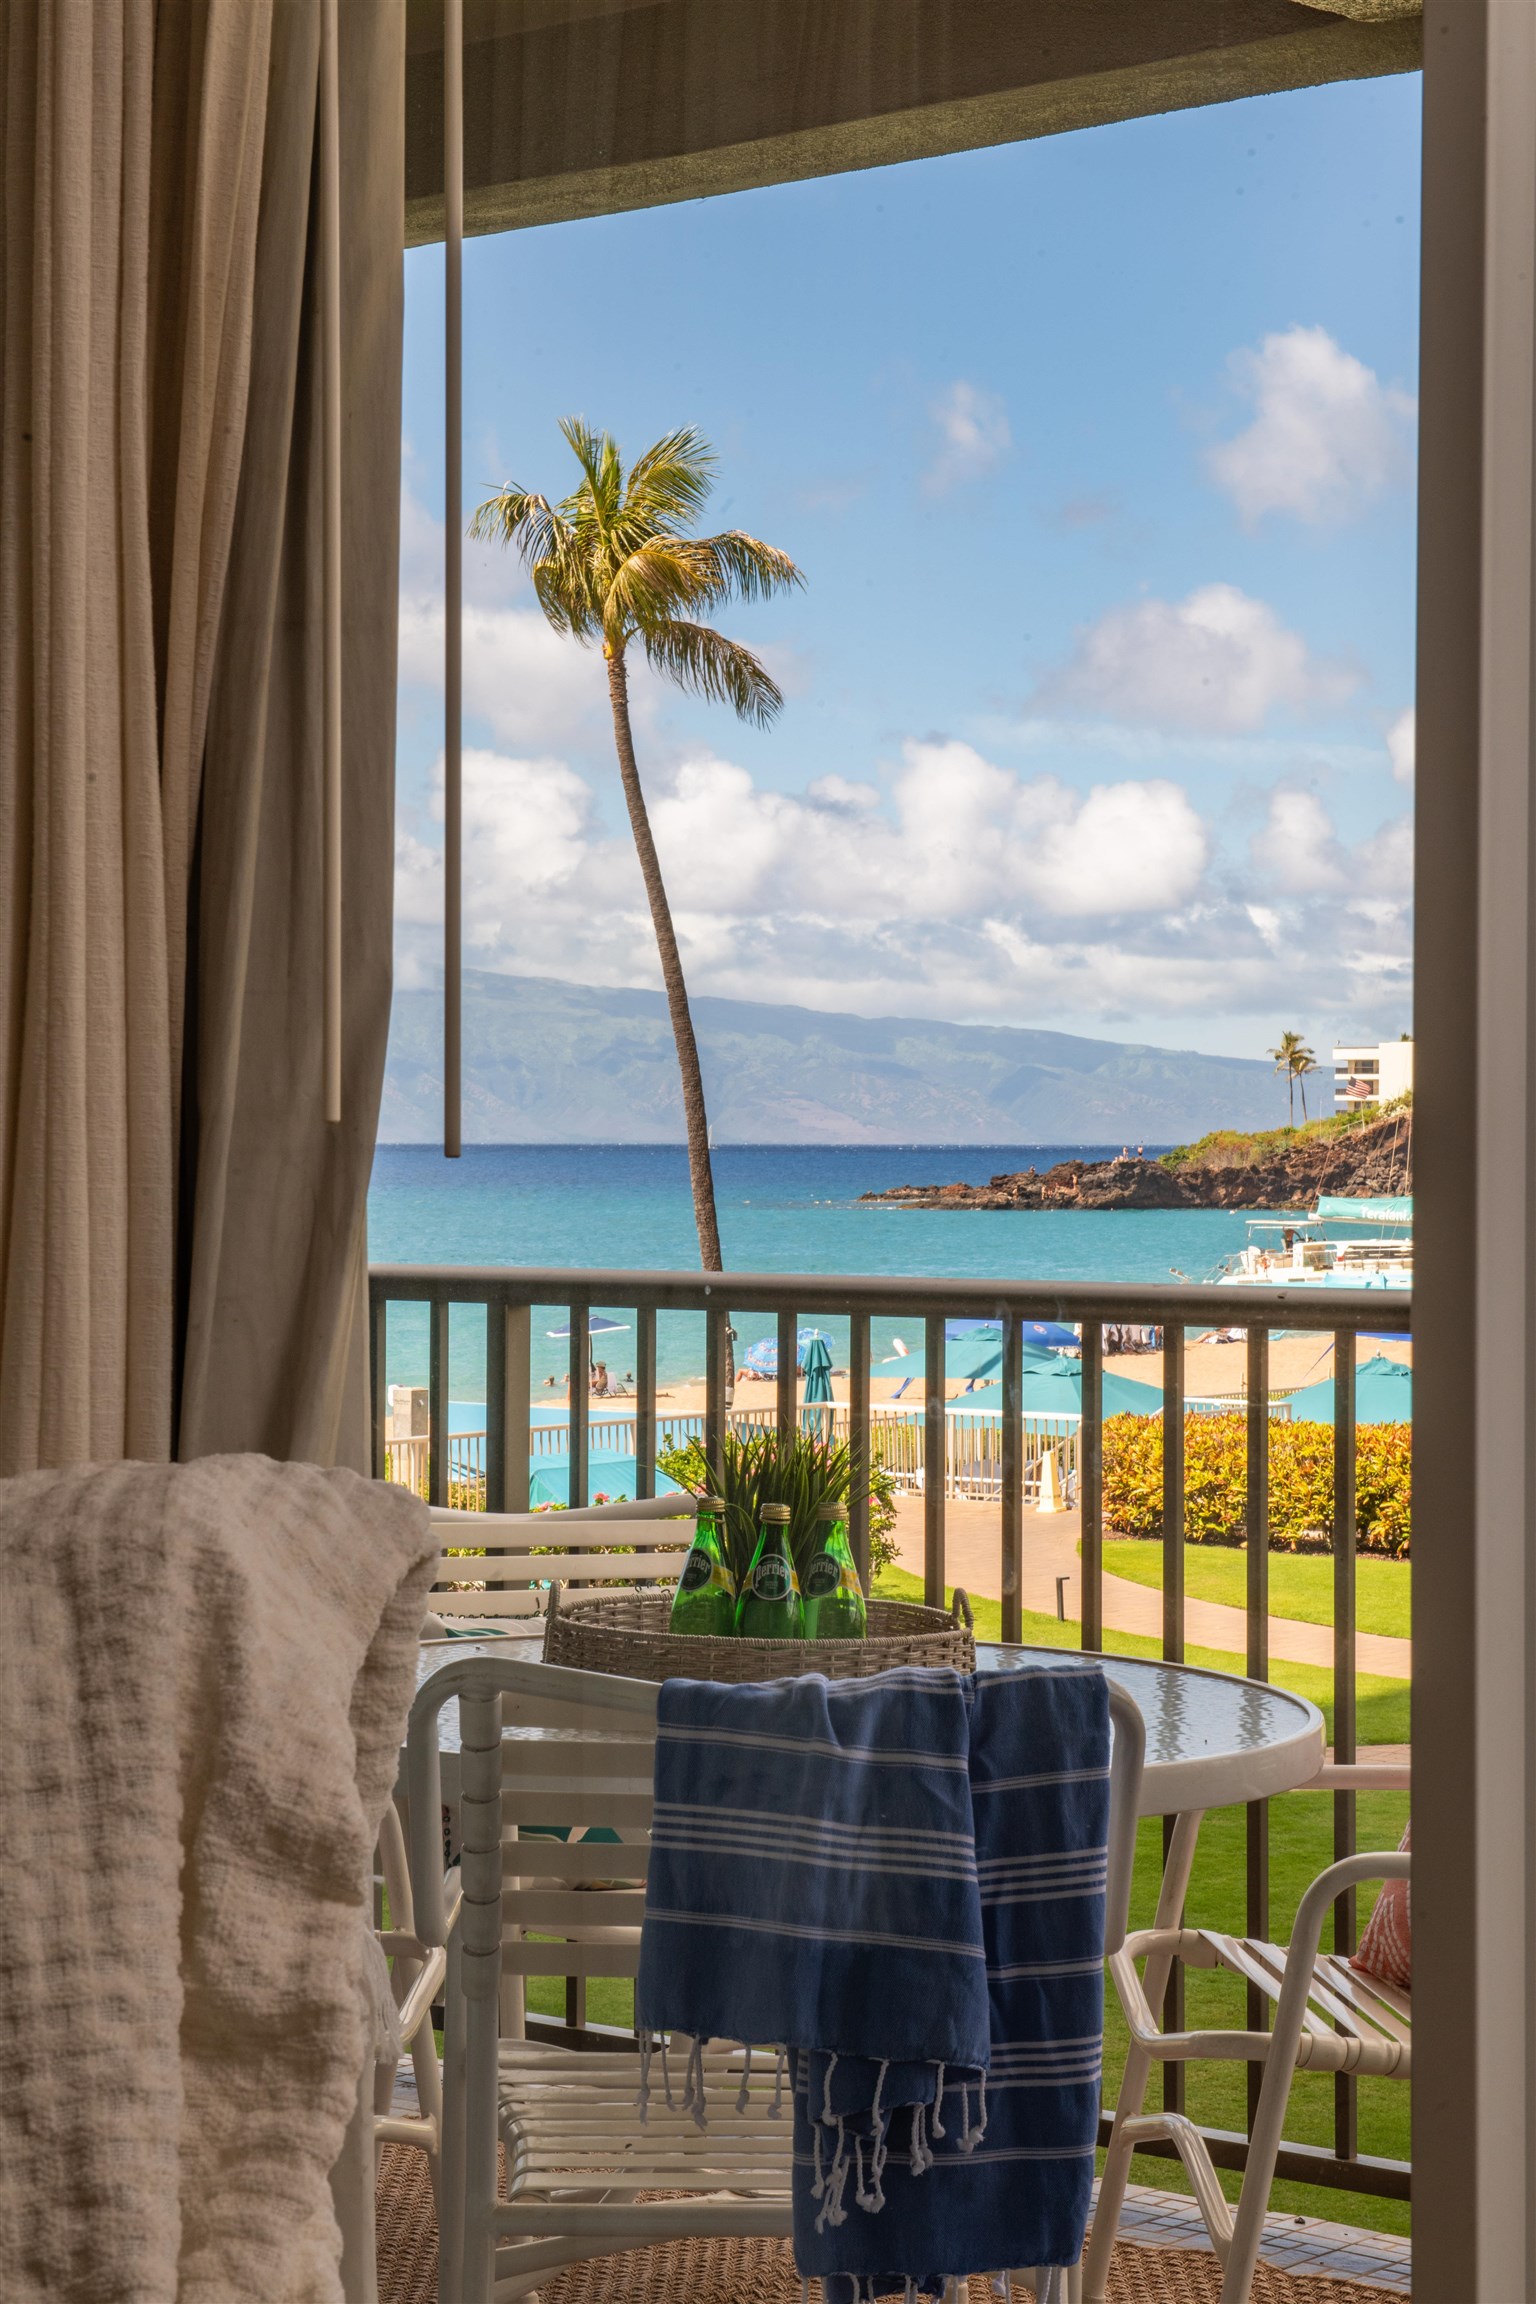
(546, 1062)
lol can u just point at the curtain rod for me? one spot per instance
(453, 573)
(330, 458)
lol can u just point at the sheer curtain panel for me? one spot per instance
(159, 780)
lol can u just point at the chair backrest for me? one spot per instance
(577, 1751)
(499, 1565)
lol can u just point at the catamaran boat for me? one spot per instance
(1344, 1243)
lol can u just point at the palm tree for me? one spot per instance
(1295, 1059)
(614, 562)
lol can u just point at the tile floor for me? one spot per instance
(1291, 2243)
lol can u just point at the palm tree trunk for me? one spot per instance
(696, 1120)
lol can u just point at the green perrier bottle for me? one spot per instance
(769, 1607)
(834, 1597)
(706, 1597)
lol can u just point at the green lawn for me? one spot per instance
(1300, 1583)
(1381, 1705)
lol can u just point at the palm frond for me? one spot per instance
(709, 665)
(749, 569)
(517, 516)
(651, 585)
(552, 551)
(602, 470)
(673, 478)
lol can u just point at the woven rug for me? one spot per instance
(763, 2271)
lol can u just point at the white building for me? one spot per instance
(1375, 1075)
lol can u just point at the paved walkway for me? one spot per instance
(972, 1559)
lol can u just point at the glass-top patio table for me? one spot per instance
(1213, 1739)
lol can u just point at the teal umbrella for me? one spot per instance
(1383, 1395)
(1054, 1387)
(818, 1372)
(816, 1416)
(975, 1357)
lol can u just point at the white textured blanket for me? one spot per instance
(204, 1676)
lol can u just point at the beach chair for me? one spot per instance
(1328, 2018)
(526, 1552)
(542, 1745)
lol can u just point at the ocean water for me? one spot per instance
(783, 1208)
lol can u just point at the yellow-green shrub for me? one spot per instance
(1300, 1482)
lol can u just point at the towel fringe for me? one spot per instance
(643, 2100)
(780, 2067)
(693, 2091)
(744, 2092)
(937, 2125)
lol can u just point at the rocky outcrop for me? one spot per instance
(1287, 1169)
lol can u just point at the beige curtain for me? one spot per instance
(181, 1242)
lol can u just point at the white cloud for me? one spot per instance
(973, 436)
(965, 890)
(532, 689)
(1327, 434)
(1401, 746)
(1297, 851)
(1218, 662)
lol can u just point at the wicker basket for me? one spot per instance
(626, 1632)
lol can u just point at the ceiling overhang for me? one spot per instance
(584, 107)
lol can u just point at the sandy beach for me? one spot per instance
(1212, 1371)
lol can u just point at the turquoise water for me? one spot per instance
(783, 1208)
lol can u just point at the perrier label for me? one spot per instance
(706, 1597)
(769, 1607)
(834, 1597)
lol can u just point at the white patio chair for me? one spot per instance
(531, 1549)
(542, 1745)
(417, 1976)
(1328, 2018)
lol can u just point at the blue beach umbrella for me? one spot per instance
(1383, 1395)
(763, 1357)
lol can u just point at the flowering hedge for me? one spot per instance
(1300, 1482)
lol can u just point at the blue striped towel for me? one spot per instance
(901, 1880)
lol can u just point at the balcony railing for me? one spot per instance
(932, 1452)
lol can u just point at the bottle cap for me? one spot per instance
(778, 1513)
(709, 1503)
(831, 1511)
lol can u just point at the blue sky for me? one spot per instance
(1096, 453)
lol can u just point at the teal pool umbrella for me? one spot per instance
(1383, 1395)
(975, 1357)
(818, 1372)
(1054, 1387)
(818, 1386)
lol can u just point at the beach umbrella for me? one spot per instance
(817, 1416)
(1054, 1387)
(975, 1357)
(763, 1357)
(818, 1371)
(1383, 1395)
